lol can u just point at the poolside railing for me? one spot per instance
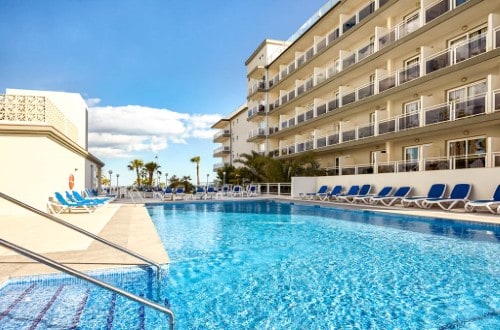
(73, 272)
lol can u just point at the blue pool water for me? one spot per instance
(272, 265)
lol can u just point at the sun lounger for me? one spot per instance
(363, 191)
(353, 190)
(367, 198)
(459, 194)
(252, 191)
(199, 193)
(337, 190)
(401, 192)
(437, 190)
(80, 198)
(492, 205)
(313, 195)
(179, 193)
(62, 205)
(210, 193)
(237, 191)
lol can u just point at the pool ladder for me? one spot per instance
(73, 272)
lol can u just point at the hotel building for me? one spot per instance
(383, 86)
(43, 142)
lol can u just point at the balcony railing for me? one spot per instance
(257, 87)
(262, 132)
(450, 111)
(221, 135)
(222, 150)
(399, 77)
(399, 31)
(257, 110)
(39, 110)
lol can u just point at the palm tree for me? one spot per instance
(151, 169)
(255, 164)
(136, 165)
(197, 160)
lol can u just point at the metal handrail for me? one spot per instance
(82, 231)
(68, 270)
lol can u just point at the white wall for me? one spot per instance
(484, 181)
(33, 168)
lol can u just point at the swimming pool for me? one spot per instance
(274, 265)
(271, 265)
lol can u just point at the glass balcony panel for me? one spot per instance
(300, 118)
(333, 35)
(365, 169)
(333, 139)
(348, 170)
(309, 145)
(409, 73)
(321, 142)
(284, 151)
(284, 99)
(412, 166)
(370, 8)
(472, 48)
(291, 150)
(365, 92)
(291, 68)
(309, 114)
(284, 124)
(386, 83)
(366, 131)
(437, 115)
(271, 107)
(321, 45)
(470, 161)
(437, 164)
(349, 98)
(310, 54)
(291, 95)
(349, 24)
(382, 2)
(438, 62)
(497, 100)
(348, 61)
(291, 122)
(496, 159)
(283, 73)
(385, 168)
(459, 2)
(321, 110)
(300, 90)
(471, 107)
(365, 51)
(387, 39)
(497, 38)
(436, 10)
(309, 84)
(348, 135)
(388, 126)
(277, 103)
(408, 27)
(334, 104)
(409, 121)
(300, 147)
(301, 60)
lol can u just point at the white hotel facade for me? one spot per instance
(396, 90)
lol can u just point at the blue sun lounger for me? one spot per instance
(399, 194)
(437, 190)
(492, 205)
(459, 194)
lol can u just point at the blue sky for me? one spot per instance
(155, 73)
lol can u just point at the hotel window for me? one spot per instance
(468, 100)
(468, 44)
(411, 23)
(466, 153)
(411, 159)
(411, 115)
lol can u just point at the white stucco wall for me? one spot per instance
(72, 105)
(483, 180)
(35, 167)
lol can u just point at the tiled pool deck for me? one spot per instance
(129, 225)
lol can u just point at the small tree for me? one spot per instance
(197, 160)
(136, 165)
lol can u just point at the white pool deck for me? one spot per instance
(128, 225)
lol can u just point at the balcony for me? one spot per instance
(445, 112)
(35, 110)
(260, 133)
(221, 151)
(218, 166)
(222, 136)
(399, 31)
(458, 53)
(257, 87)
(257, 111)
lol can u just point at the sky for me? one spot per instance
(156, 74)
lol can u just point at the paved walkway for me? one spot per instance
(129, 225)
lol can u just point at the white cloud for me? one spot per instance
(92, 102)
(119, 132)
